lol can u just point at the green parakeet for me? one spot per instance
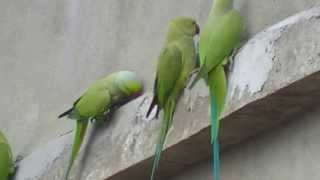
(175, 63)
(99, 102)
(6, 162)
(220, 35)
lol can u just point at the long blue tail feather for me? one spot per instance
(157, 156)
(216, 160)
(214, 139)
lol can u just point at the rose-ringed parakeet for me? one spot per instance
(175, 64)
(220, 35)
(99, 102)
(6, 162)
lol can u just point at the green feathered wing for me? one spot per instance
(175, 63)
(92, 104)
(168, 73)
(220, 35)
(6, 163)
(97, 102)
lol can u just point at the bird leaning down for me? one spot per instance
(99, 102)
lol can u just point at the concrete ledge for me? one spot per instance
(246, 122)
(274, 76)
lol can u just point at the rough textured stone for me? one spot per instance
(51, 50)
(281, 55)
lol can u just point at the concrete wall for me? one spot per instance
(289, 152)
(51, 51)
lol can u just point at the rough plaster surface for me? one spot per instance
(289, 152)
(260, 52)
(51, 50)
(290, 47)
(282, 53)
(39, 161)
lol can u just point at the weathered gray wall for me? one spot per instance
(290, 152)
(269, 69)
(263, 13)
(51, 50)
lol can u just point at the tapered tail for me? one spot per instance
(216, 160)
(166, 124)
(66, 113)
(158, 151)
(78, 138)
(215, 139)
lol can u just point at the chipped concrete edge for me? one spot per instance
(38, 162)
(255, 60)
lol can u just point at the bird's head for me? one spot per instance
(186, 25)
(130, 84)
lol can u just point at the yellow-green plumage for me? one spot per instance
(218, 87)
(6, 163)
(101, 99)
(176, 61)
(220, 35)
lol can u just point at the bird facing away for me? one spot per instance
(220, 35)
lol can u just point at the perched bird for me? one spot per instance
(6, 162)
(220, 35)
(99, 102)
(175, 64)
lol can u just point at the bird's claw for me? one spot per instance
(228, 63)
(231, 59)
(195, 71)
(192, 77)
